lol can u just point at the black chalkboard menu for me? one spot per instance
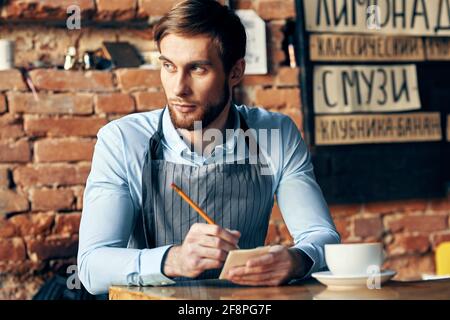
(375, 85)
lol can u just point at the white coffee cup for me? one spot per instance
(354, 258)
(6, 54)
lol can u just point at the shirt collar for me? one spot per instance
(177, 144)
(171, 135)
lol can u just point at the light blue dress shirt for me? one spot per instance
(112, 198)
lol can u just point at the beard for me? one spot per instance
(206, 113)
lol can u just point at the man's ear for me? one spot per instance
(237, 72)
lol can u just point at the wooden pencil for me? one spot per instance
(192, 204)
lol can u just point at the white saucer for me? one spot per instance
(344, 282)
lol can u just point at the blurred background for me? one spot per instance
(63, 78)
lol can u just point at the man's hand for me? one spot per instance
(272, 269)
(205, 247)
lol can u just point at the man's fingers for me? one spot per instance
(236, 271)
(274, 255)
(211, 253)
(276, 249)
(216, 231)
(265, 259)
(215, 242)
(242, 271)
(207, 264)
(260, 277)
(234, 232)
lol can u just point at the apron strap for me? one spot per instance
(155, 145)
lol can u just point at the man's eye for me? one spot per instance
(198, 69)
(169, 67)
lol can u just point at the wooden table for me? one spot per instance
(305, 290)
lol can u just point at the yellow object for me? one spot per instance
(443, 259)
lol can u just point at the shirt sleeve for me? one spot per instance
(107, 223)
(301, 201)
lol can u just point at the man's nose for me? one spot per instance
(182, 87)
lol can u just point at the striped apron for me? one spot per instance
(235, 196)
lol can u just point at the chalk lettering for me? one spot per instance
(326, 47)
(342, 14)
(408, 17)
(350, 80)
(335, 130)
(422, 13)
(441, 15)
(319, 12)
(324, 86)
(369, 83)
(382, 87)
(438, 48)
(403, 87)
(347, 89)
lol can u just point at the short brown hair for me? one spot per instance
(196, 17)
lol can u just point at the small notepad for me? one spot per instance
(237, 258)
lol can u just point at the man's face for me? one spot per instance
(193, 79)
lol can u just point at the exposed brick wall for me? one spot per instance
(127, 10)
(46, 146)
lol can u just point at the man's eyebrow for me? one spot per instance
(164, 58)
(195, 63)
(201, 63)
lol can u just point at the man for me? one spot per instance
(135, 230)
